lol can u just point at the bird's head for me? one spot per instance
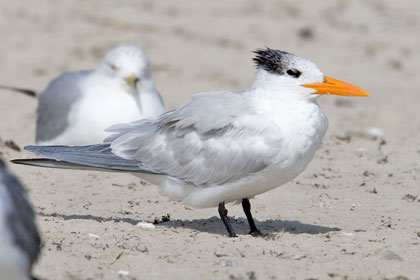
(128, 64)
(298, 76)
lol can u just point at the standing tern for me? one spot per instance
(19, 237)
(77, 107)
(221, 146)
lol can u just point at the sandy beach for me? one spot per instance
(354, 213)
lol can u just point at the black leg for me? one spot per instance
(223, 215)
(247, 209)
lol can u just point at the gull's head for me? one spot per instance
(129, 65)
(292, 75)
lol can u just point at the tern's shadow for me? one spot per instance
(90, 217)
(214, 224)
(240, 225)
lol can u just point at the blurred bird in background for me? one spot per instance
(77, 107)
(19, 239)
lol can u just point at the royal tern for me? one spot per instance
(77, 107)
(19, 238)
(221, 146)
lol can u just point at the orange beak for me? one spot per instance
(333, 86)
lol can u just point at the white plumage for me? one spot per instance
(223, 146)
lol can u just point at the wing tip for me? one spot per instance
(38, 149)
(25, 161)
(28, 148)
(17, 161)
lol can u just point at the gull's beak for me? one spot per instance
(133, 81)
(333, 86)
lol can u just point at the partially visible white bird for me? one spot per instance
(77, 107)
(221, 146)
(19, 239)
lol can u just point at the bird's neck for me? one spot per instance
(267, 81)
(148, 99)
(147, 86)
(281, 103)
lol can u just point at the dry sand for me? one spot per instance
(353, 214)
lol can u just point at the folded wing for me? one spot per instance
(205, 142)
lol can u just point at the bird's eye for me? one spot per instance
(294, 73)
(113, 67)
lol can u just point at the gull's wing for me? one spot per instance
(19, 216)
(213, 139)
(55, 104)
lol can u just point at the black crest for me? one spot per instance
(273, 61)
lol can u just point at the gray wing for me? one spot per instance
(97, 157)
(55, 103)
(205, 142)
(19, 214)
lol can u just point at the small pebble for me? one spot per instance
(227, 263)
(92, 235)
(146, 225)
(375, 131)
(123, 272)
